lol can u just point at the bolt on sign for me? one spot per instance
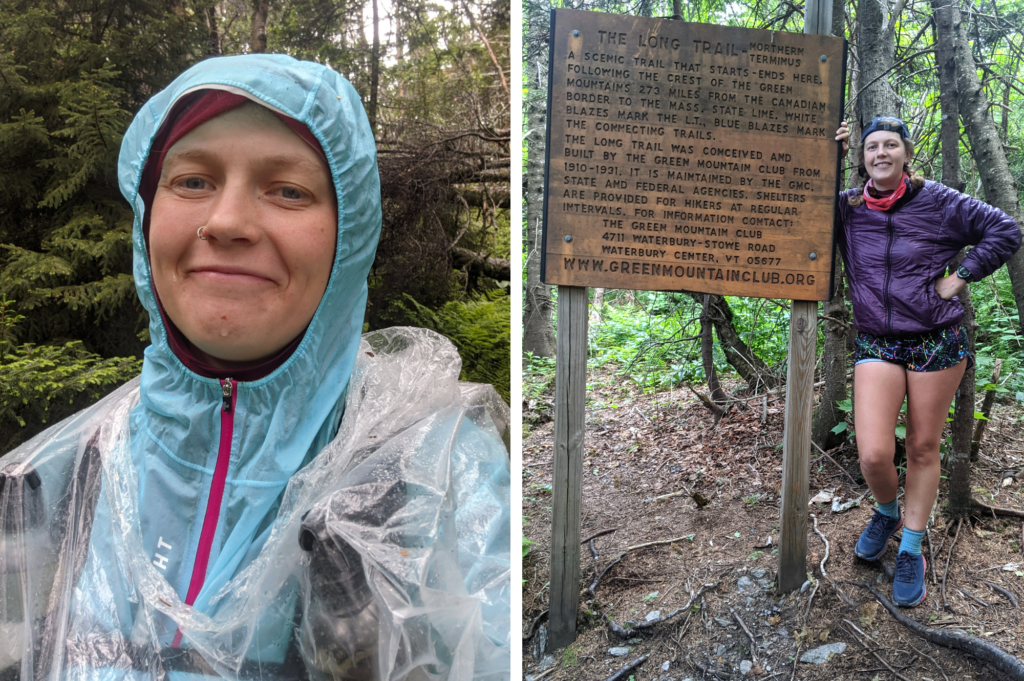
(691, 157)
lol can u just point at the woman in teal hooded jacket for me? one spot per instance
(275, 497)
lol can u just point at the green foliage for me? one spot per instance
(38, 383)
(479, 328)
(524, 545)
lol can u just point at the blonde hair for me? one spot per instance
(916, 179)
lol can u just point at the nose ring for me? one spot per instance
(199, 233)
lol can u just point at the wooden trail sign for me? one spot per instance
(691, 157)
(687, 157)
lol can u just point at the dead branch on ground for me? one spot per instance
(753, 641)
(945, 603)
(624, 672)
(853, 628)
(1005, 592)
(632, 627)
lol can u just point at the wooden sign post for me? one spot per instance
(685, 157)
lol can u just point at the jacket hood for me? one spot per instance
(284, 418)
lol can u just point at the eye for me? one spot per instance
(291, 193)
(194, 183)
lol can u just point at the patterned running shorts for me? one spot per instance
(932, 351)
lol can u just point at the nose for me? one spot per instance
(233, 216)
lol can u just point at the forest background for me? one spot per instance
(952, 69)
(433, 76)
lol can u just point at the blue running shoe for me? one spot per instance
(908, 586)
(875, 537)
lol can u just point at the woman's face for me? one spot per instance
(266, 202)
(884, 156)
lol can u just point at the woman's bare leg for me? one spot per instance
(929, 395)
(879, 389)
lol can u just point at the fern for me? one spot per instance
(480, 328)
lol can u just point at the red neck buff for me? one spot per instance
(884, 203)
(188, 113)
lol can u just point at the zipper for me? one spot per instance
(216, 496)
(888, 273)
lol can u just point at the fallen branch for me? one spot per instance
(753, 641)
(706, 671)
(974, 598)
(598, 534)
(873, 652)
(931, 554)
(480, 263)
(624, 672)
(632, 627)
(945, 603)
(932, 660)
(715, 409)
(1005, 592)
(659, 542)
(598, 578)
(829, 457)
(956, 639)
(818, 532)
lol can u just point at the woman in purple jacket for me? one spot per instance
(898, 236)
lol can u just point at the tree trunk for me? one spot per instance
(837, 324)
(877, 48)
(834, 359)
(958, 461)
(595, 307)
(987, 149)
(747, 364)
(707, 354)
(213, 48)
(371, 109)
(538, 332)
(258, 38)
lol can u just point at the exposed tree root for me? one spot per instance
(999, 510)
(533, 627)
(953, 638)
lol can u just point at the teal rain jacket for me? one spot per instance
(346, 516)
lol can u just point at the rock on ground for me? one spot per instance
(821, 654)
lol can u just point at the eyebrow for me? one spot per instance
(271, 160)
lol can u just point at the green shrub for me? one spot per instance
(40, 384)
(479, 327)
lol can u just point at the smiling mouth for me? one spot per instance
(229, 275)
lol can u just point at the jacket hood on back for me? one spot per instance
(283, 419)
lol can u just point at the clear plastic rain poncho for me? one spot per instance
(361, 530)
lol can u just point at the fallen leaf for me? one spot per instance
(867, 613)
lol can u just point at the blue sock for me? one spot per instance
(892, 509)
(911, 542)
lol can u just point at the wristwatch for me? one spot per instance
(963, 273)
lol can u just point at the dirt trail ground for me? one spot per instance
(639, 447)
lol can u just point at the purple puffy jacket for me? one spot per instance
(893, 258)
